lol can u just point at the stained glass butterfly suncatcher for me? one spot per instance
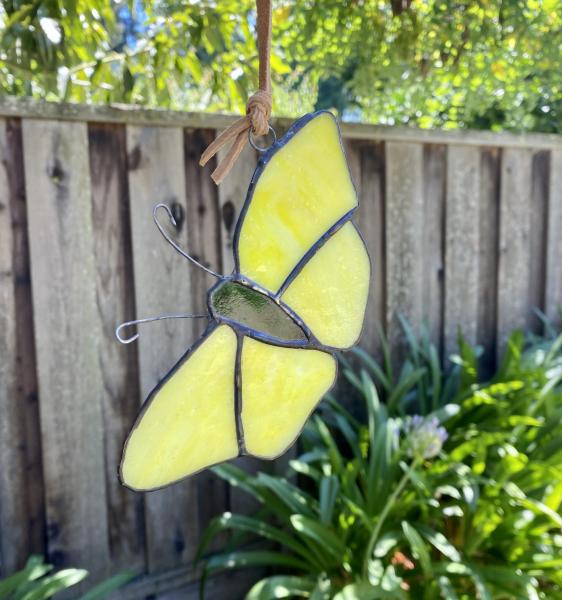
(297, 294)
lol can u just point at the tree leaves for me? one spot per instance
(487, 65)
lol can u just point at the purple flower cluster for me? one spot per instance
(425, 436)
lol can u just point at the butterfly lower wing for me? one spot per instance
(302, 189)
(188, 422)
(329, 291)
(279, 389)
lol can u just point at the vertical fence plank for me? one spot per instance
(162, 285)
(433, 243)
(370, 219)
(404, 238)
(514, 269)
(488, 256)
(203, 223)
(67, 335)
(21, 482)
(538, 240)
(115, 304)
(13, 542)
(352, 150)
(462, 241)
(554, 240)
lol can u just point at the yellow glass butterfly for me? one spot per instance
(297, 294)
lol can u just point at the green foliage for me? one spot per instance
(384, 507)
(37, 581)
(489, 64)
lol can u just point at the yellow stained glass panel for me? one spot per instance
(189, 423)
(280, 388)
(304, 190)
(330, 293)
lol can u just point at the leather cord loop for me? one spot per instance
(258, 107)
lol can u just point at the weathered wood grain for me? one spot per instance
(138, 115)
(21, 478)
(553, 298)
(203, 225)
(462, 246)
(434, 183)
(68, 334)
(488, 257)
(371, 221)
(404, 210)
(115, 304)
(514, 269)
(352, 150)
(162, 286)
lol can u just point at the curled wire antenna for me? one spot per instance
(173, 243)
(134, 337)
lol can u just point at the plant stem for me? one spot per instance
(384, 513)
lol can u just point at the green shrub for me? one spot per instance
(37, 581)
(386, 507)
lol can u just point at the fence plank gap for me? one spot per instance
(115, 304)
(538, 240)
(462, 244)
(162, 285)
(22, 519)
(67, 338)
(489, 207)
(434, 184)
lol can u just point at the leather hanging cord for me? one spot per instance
(258, 107)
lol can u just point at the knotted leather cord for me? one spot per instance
(258, 107)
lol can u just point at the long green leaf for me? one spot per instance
(265, 530)
(441, 543)
(418, 548)
(281, 586)
(447, 589)
(327, 539)
(101, 590)
(236, 560)
(33, 570)
(375, 368)
(50, 585)
(329, 489)
(292, 497)
(404, 385)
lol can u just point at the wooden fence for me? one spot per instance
(463, 229)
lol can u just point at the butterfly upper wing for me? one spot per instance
(303, 189)
(188, 422)
(296, 237)
(279, 389)
(330, 290)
